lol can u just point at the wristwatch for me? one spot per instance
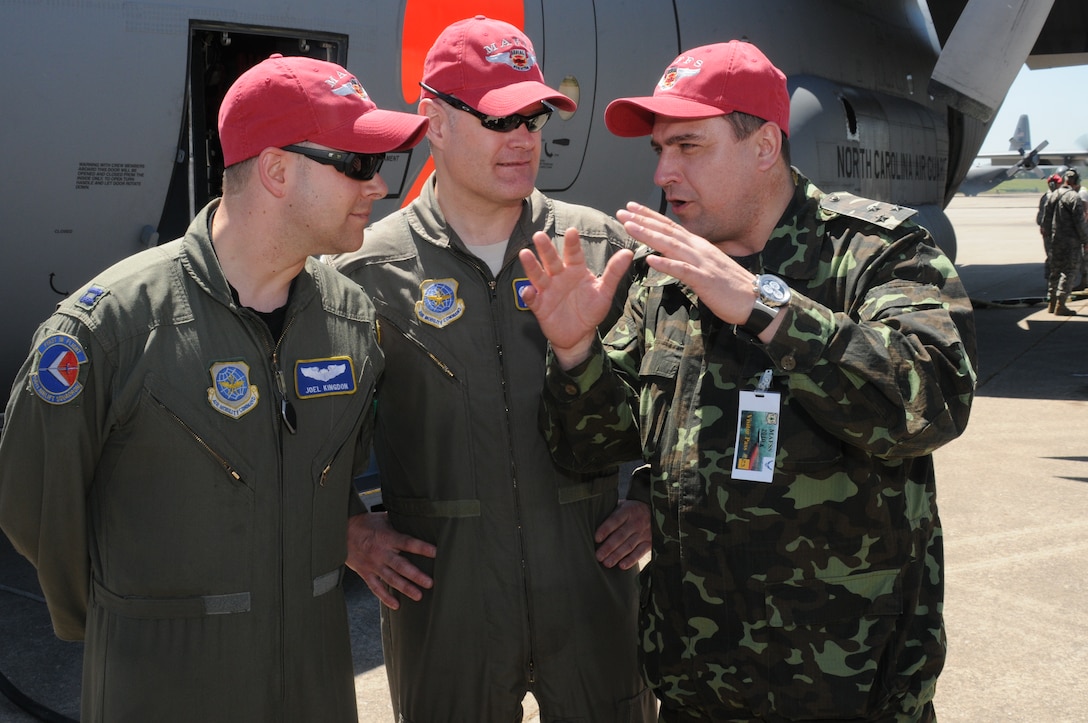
(772, 294)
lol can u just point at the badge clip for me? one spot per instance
(757, 432)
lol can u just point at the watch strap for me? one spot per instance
(760, 318)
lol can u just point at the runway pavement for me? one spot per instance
(1013, 495)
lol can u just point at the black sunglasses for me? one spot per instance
(499, 124)
(356, 166)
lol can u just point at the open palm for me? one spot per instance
(568, 299)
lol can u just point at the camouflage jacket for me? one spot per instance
(1064, 222)
(818, 595)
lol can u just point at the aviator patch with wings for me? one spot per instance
(324, 377)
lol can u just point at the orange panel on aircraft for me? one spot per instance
(425, 19)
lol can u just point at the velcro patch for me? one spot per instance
(91, 296)
(324, 377)
(56, 375)
(519, 286)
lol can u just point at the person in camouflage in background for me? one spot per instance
(802, 579)
(1053, 184)
(1065, 226)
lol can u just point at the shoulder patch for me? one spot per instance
(880, 213)
(55, 378)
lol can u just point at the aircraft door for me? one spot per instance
(218, 54)
(566, 47)
(596, 52)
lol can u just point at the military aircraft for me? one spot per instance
(992, 169)
(110, 109)
(999, 167)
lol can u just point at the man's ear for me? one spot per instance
(768, 144)
(273, 169)
(439, 120)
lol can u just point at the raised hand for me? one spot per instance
(720, 282)
(568, 299)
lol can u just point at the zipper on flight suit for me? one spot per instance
(442, 366)
(492, 285)
(289, 422)
(199, 440)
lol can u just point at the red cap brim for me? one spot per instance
(633, 117)
(376, 131)
(511, 98)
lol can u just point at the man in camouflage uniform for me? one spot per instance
(1065, 225)
(826, 335)
(1053, 183)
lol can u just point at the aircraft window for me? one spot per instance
(570, 87)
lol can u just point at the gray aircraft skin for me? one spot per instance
(109, 112)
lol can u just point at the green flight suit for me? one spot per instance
(519, 601)
(176, 524)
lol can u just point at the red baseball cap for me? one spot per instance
(491, 66)
(708, 81)
(285, 100)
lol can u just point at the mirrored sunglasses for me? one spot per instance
(499, 124)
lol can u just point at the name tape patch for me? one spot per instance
(519, 287)
(324, 377)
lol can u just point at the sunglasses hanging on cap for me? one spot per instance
(356, 166)
(499, 124)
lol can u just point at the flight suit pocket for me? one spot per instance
(425, 376)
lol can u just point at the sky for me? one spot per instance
(1056, 102)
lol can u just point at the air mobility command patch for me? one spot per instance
(56, 375)
(438, 304)
(231, 393)
(324, 377)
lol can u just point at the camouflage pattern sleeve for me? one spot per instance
(1080, 219)
(901, 358)
(589, 413)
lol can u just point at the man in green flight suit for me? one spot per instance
(180, 444)
(533, 582)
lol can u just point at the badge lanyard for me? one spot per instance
(757, 432)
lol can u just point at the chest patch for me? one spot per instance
(56, 377)
(438, 304)
(231, 392)
(520, 285)
(324, 377)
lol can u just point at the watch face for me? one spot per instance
(774, 290)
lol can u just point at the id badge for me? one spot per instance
(757, 436)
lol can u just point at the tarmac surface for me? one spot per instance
(1013, 496)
